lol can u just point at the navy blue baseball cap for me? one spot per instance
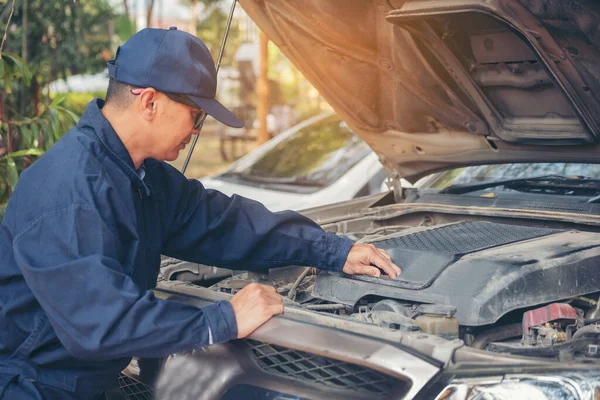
(172, 61)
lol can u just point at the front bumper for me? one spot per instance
(318, 356)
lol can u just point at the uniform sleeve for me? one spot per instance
(96, 310)
(238, 233)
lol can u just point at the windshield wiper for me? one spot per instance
(562, 181)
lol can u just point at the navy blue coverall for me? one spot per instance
(80, 248)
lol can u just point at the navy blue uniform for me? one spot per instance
(80, 249)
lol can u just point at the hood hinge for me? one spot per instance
(393, 181)
(398, 189)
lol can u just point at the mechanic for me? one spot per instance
(82, 237)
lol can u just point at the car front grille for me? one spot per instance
(134, 389)
(313, 368)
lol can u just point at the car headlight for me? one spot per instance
(527, 387)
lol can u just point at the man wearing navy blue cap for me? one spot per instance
(81, 240)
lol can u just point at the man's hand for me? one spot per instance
(362, 257)
(253, 306)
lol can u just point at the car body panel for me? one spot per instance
(406, 93)
(415, 360)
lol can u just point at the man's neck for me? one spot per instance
(125, 129)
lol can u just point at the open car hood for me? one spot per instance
(433, 85)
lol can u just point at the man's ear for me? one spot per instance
(148, 103)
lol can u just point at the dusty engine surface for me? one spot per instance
(483, 269)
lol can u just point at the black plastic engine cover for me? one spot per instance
(484, 269)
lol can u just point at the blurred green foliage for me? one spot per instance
(45, 40)
(24, 139)
(211, 27)
(60, 37)
(77, 102)
(124, 27)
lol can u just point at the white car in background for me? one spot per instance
(314, 163)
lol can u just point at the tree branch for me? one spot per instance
(6, 10)
(12, 11)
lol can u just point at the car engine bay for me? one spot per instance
(520, 287)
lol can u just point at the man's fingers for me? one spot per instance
(260, 286)
(390, 268)
(275, 302)
(270, 289)
(384, 254)
(366, 259)
(276, 308)
(254, 305)
(368, 270)
(275, 298)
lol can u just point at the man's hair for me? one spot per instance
(118, 94)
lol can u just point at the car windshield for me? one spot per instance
(316, 155)
(489, 173)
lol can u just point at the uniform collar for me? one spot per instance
(93, 118)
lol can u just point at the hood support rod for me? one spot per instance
(221, 51)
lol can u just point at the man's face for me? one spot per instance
(177, 123)
(172, 124)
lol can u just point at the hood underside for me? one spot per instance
(433, 85)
